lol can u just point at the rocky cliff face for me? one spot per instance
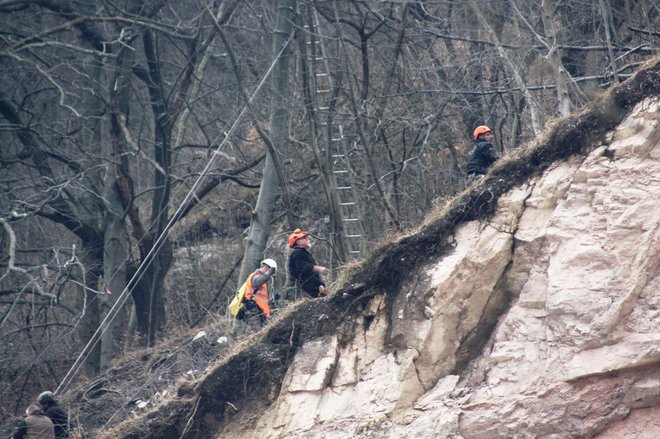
(528, 308)
(563, 283)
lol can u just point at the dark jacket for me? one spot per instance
(35, 426)
(60, 419)
(483, 155)
(301, 272)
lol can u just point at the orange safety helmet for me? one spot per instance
(481, 129)
(295, 236)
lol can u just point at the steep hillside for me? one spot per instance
(529, 307)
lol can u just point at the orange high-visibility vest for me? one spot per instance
(260, 296)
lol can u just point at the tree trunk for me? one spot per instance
(115, 253)
(263, 212)
(120, 184)
(554, 56)
(89, 322)
(115, 238)
(162, 254)
(534, 108)
(607, 23)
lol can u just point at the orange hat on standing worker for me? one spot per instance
(482, 129)
(295, 236)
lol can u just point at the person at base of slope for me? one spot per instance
(46, 401)
(36, 425)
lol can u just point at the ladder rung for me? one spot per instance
(336, 156)
(319, 75)
(336, 140)
(344, 187)
(323, 90)
(352, 203)
(352, 236)
(323, 108)
(354, 252)
(340, 172)
(351, 219)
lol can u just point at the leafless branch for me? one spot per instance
(130, 142)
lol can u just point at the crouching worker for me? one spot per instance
(36, 425)
(253, 298)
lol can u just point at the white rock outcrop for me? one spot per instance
(563, 284)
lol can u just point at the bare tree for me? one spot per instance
(270, 182)
(109, 115)
(87, 142)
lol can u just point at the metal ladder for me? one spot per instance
(343, 175)
(344, 179)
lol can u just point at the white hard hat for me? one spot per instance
(270, 263)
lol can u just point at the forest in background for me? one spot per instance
(153, 151)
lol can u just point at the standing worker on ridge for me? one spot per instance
(483, 152)
(255, 298)
(304, 274)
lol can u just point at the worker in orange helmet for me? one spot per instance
(304, 273)
(483, 152)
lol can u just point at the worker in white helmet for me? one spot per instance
(255, 302)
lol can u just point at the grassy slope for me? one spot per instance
(251, 377)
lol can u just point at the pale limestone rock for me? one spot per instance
(442, 390)
(314, 363)
(639, 424)
(577, 352)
